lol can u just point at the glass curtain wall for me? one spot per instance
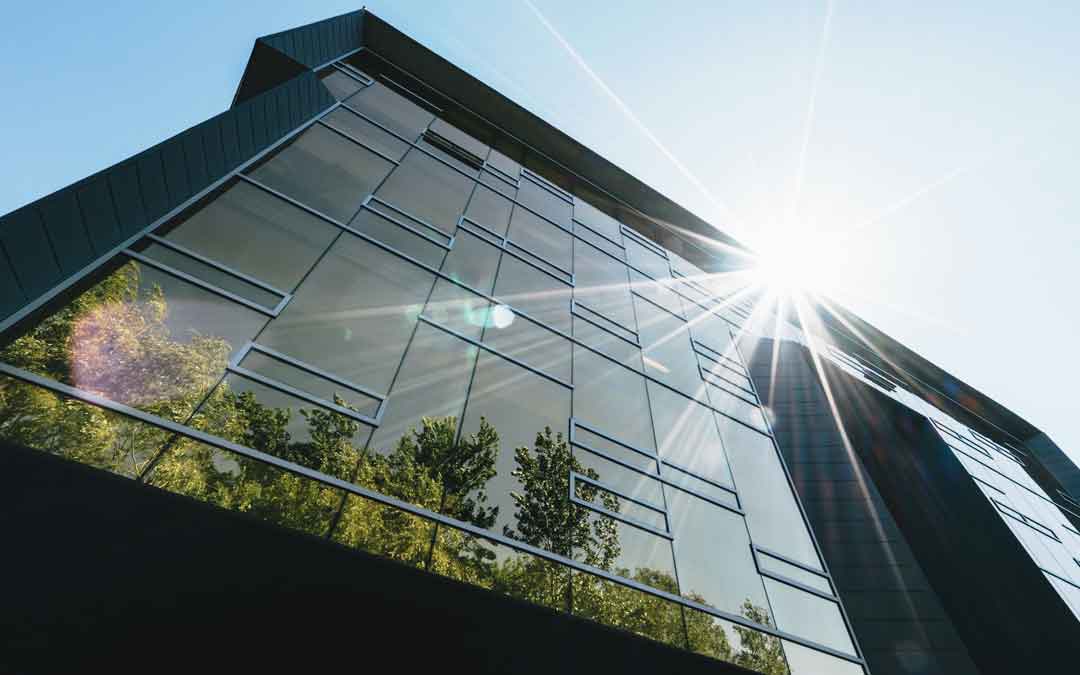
(389, 334)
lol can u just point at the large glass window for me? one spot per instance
(598, 221)
(428, 189)
(354, 313)
(612, 398)
(535, 292)
(325, 170)
(246, 228)
(490, 210)
(391, 110)
(687, 435)
(665, 342)
(809, 616)
(371, 135)
(544, 201)
(601, 284)
(549, 243)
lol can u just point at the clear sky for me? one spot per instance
(933, 146)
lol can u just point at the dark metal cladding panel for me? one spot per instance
(176, 177)
(210, 131)
(242, 117)
(229, 142)
(259, 131)
(130, 209)
(11, 293)
(99, 214)
(196, 159)
(64, 225)
(152, 183)
(22, 235)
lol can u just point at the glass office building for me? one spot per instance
(372, 303)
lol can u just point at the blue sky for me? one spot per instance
(933, 147)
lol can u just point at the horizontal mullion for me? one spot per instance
(236, 274)
(301, 394)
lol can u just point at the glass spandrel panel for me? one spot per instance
(597, 220)
(210, 274)
(607, 342)
(246, 228)
(525, 466)
(808, 616)
(401, 233)
(726, 641)
(353, 314)
(472, 261)
(541, 238)
(602, 284)
(340, 85)
(391, 110)
(687, 434)
(460, 138)
(489, 209)
(545, 202)
(325, 171)
(458, 309)
(528, 342)
(432, 383)
(772, 514)
(35, 417)
(716, 566)
(235, 482)
(665, 344)
(534, 292)
(139, 337)
(371, 135)
(612, 398)
(428, 189)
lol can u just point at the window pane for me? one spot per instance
(544, 202)
(687, 435)
(37, 418)
(528, 342)
(771, 511)
(626, 481)
(341, 86)
(541, 238)
(490, 209)
(716, 566)
(316, 385)
(601, 284)
(458, 309)
(733, 643)
(646, 259)
(627, 551)
(665, 343)
(432, 382)
(210, 274)
(785, 569)
(400, 233)
(606, 341)
(472, 261)
(736, 406)
(504, 164)
(384, 530)
(611, 398)
(391, 110)
(712, 331)
(139, 337)
(369, 134)
(628, 609)
(586, 213)
(539, 295)
(519, 405)
(809, 616)
(598, 444)
(427, 189)
(657, 292)
(324, 170)
(247, 228)
(599, 242)
(806, 661)
(353, 314)
(459, 138)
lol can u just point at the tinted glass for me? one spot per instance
(458, 309)
(391, 110)
(770, 564)
(601, 283)
(460, 138)
(544, 201)
(806, 661)
(211, 274)
(371, 135)
(586, 213)
(428, 189)
(646, 259)
(473, 261)
(490, 209)
(324, 170)
(541, 238)
(733, 643)
(809, 616)
(528, 342)
(611, 398)
(687, 435)
(771, 511)
(341, 86)
(401, 233)
(534, 292)
(315, 384)
(628, 609)
(246, 228)
(354, 313)
(666, 346)
(716, 567)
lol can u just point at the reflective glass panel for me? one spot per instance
(687, 434)
(371, 135)
(544, 201)
(736, 644)
(325, 171)
(809, 616)
(665, 344)
(596, 219)
(534, 292)
(611, 398)
(401, 233)
(540, 238)
(489, 209)
(340, 85)
(428, 189)
(628, 609)
(806, 661)
(391, 110)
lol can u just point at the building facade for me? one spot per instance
(377, 303)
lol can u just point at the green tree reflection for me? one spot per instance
(114, 340)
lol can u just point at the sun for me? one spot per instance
(798, 260)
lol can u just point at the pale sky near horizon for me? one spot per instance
(933, 146)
